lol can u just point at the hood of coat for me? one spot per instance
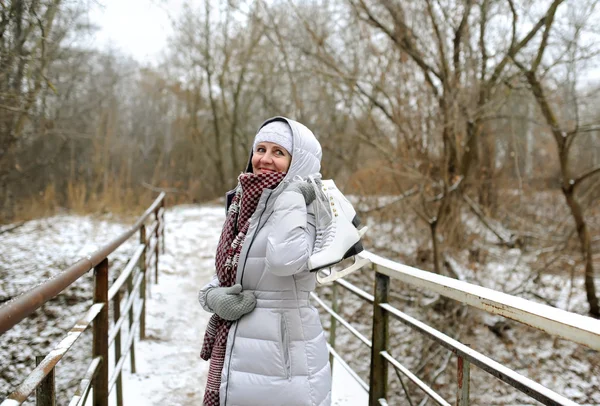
(306, 150)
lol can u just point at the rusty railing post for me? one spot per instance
(162, 222)
(379, 368)
(100, 345)
(156, 247)
(333, 321)
(463, 375)
(45, 393)
(117, 316)
(143, 287)
(131, 321)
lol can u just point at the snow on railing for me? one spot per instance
(134, 275)
(574, 327)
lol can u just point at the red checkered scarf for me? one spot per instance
(243, 205)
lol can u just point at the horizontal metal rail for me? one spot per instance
(17, 309)
(357, 291)
(130, 338)
(430, 392)
(119, 323)
(152, 243)
(86, 383)
(152, 229)
(27, 387)
(577, 328)
(135, 258)
(574, 327)
(150, 258)
(97, 375)
(514, 379)
(339, 318)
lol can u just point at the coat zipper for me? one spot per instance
(285, 347)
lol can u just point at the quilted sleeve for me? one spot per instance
(291, 241)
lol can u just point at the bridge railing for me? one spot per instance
(127, 296)
(574, 327)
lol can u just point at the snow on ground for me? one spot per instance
(345, 390)
(169, 368)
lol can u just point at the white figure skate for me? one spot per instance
(337, 235)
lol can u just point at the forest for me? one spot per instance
(466, 131)
(488, 106)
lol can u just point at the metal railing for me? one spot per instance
(132, 279)
(574, 327)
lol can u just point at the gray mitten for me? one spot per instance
(230, 303)
(306, 189)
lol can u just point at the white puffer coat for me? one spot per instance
(277, 354)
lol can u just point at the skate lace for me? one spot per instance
(328, 235)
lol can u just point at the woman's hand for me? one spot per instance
(305, 189)
(230, 303)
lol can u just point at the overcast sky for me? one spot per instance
(140, 28)
(136, 27)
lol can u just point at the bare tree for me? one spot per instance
(26, 49)
(534, 70)
(427, 77)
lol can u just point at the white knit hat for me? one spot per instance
(278, 132)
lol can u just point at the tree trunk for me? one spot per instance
(586, 249)
(436, 250)
(563, 140)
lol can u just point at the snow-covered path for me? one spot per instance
(169, 369)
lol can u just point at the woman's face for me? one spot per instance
(269, 157)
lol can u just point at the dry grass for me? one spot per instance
(39, 206)
(79, 198)
(116, 196)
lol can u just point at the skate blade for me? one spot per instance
(362, 231)
(334, 275)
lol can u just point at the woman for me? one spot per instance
(265, 341)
